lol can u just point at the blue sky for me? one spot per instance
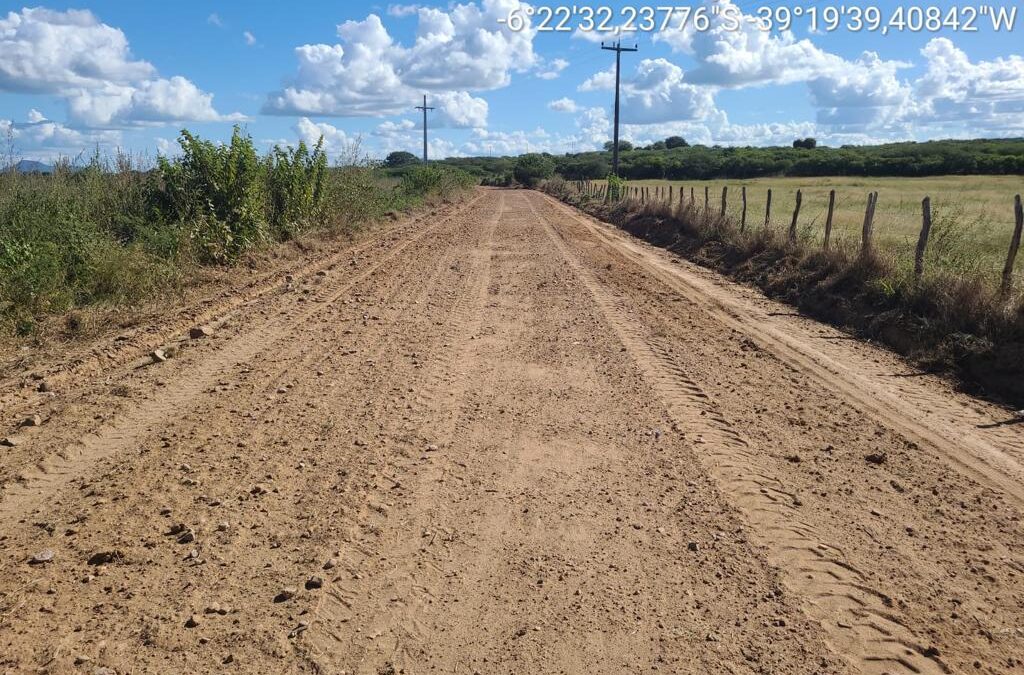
(131, 75)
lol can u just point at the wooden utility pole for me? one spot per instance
(618, 49)
(424, 108)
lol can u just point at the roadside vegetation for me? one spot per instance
(954, 317)
(117, 232)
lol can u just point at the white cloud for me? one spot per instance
(552, 69)
(34, 116)
(249, 38)
(43, 139)
(402, 10)
(392, 129)
(657, 91)
(369, 74)
(75, 56)
(214, 20)
(457, 109)
(564, 104)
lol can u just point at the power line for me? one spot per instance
(618, 49)
(424, 108)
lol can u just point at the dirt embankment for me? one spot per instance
(508, 438)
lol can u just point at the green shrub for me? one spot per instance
(531, 169)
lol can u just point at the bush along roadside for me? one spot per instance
(944, 322)
(114, 231)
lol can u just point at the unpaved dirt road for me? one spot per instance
(504, 438)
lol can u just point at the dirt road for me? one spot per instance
(504, 438)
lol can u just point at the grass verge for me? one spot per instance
(115, 234)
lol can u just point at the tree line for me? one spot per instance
(674, 159)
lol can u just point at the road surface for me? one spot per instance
(503, 437)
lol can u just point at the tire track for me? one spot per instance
(145, 419)
(860, 620)
(390, 597)
(995, 457)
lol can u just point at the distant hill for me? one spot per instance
(32, 166)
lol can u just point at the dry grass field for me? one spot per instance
(972, 215)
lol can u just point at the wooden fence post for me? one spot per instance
(707, 198)
(922, 240)
(869, 223)
(796, 214)
(725, 190)
(682, 193)
(768, 209)
(670, 200)
(828, 219)
(1018, 211)
(743, 216)
(691, 196)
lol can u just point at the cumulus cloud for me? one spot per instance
(75, 56)
(249, 38)
(656, 91)
(369, 73)
(552, 69)
(402, 10)
(564, 104)
(45, 139)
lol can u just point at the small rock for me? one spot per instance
(81, 659)
(45, 386)
(711, 637)
(187, 537)
(10, 442)
(43, 557)
(286, 594)
(192, 621)
(105, 557)
(359, 442)
(158, 356)
(431, 448)
(34, 421)
(794, 458)
(223, 526)
(330, 564)
(313, 583)
(876, 458)
(692, 546)
(198, 332)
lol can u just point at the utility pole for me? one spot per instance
(424, 108)
(618, 49)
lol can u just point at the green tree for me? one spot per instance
(623, 145)
(400, 158)
(533, 168)
(675, 142)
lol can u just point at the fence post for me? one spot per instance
(707, 198)
(828, 219)
(691, 197)
(1018, 211)
(682, 193)
(796, 214)
(725, 190)
(670, 200)
(768, 209)
(743, 216)
(869, 222)
(922, 240)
